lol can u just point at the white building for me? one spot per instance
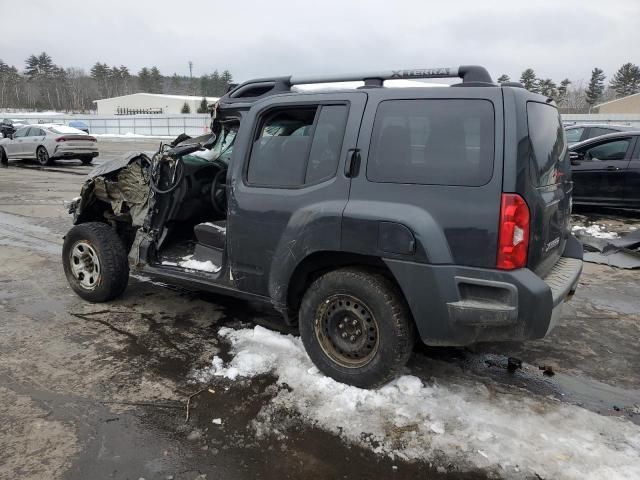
(145, 103)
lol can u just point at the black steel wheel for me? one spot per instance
(347, 331)
(356, 327)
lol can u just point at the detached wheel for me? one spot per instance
(95, 262)
(356, 327)
(43, 156)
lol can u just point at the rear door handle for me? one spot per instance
(352, 165)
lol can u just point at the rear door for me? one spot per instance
(599, 171)
(429, 181)
(287, 190)
(32, 141)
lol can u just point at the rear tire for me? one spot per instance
(4, 160)
(86, 160)
(43, 156)
(356, 327)
(95, 262)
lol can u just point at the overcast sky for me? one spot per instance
(559, 38)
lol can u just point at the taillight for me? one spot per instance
(61, 139)
(513, 236)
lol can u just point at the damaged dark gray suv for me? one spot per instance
(367, 216)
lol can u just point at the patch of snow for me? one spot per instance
(172, 264)
(217, 421)
(473, 426)
(595, 230)
(190, 264)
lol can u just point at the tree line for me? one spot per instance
(43, 85)
(576, 97)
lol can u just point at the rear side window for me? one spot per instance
(432, 142)
(574, 134)
(297, 146)
(548, 143)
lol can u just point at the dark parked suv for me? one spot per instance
(366, 216)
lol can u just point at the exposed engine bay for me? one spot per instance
(174, 199)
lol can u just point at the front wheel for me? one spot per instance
(95, 262)
(356, 327)
(43, 156)
(86, 160)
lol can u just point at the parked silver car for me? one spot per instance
(46, 142)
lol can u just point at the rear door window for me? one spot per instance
(597, 131)
(612, 150)
(297, 146)
(548, 143)
(432, 142)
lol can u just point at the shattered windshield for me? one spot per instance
(223, 147)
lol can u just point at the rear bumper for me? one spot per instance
(74, 152)
(455, 305)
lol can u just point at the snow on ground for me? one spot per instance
(441, 421)
(190, 264)
(595, 230)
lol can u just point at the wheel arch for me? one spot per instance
(318, 263)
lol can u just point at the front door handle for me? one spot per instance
(611, 167)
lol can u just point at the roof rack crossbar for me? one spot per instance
(468, 73)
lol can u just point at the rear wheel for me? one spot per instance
(86, 160)
(356, 327)
(95, 262)
(43, 156)
(4, 160)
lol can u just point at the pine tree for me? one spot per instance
(626, 80)
(529, 81)
(156, 80)
(547, 87)
(204, 106)
(144, 80)
(563, 91)
(185, 108)
(226, 79)
(596, 86)
(175, 85)
(504, 78)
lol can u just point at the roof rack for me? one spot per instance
(249, 91)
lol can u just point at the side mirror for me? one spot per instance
(575, 158)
